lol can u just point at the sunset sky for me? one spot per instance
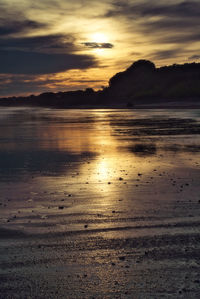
(60, 45)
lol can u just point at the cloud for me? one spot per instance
(32, 47)
(42, 55)
(46, 43)
(21, 62)
(164, 54)
(12, 27)
(146, 8)
(51, 53)
(194, 57)
(16, 85)
(13, 20)
(94, 45)
(186, 9)
(51, 36)
(175, 37)
(160, 21)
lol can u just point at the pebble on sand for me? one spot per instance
(122, 258)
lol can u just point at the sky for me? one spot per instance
(61, 45)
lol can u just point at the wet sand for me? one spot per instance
(99, 204)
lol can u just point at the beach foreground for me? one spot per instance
(99, 203)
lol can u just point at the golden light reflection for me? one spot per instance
(106, 157)
(102, 169)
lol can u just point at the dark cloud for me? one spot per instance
(171, 30)
(178, 37)
(24, 54)
(161, 21)
(11, 27)
(47, 43)
(185, 9)
(21, 62)
(41, 55)
(194, 57)
(94, 45)
(164, 54)
(13, 20)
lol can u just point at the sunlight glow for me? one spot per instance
(100, 51)
(99, 37)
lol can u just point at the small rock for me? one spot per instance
(122, 258)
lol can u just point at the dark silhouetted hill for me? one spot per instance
(141, 84)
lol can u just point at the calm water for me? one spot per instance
(99, 203)
(91, 162)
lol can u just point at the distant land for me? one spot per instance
(142, 85)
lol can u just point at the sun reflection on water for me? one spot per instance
(81, 162)
(103, 170)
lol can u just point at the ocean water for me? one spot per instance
(89, 161)
(99, 203)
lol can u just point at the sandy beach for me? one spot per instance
(99, 203)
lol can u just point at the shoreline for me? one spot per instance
(191, 104)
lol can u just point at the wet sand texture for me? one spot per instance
(99, 203)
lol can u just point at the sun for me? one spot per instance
(99, 37)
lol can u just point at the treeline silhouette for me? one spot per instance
(141, 83)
